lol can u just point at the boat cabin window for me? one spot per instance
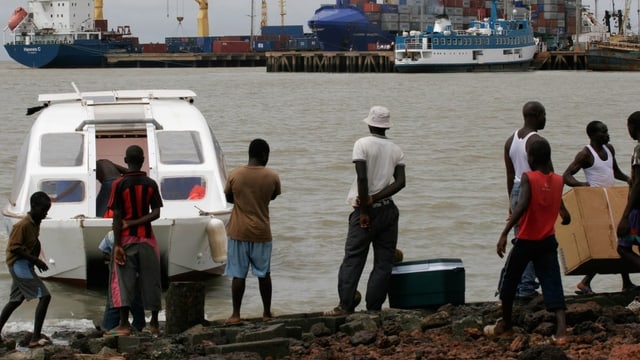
(62, 149)
(183, 188)
(63, 190)
(180, 147)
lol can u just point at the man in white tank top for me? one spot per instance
(598, 162)
(516, 163)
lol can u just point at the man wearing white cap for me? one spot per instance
(374, 221)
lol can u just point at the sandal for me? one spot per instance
(559, 341)
(497, 330)
(337, 311)
(39, 343)
(117, 332)
(584, 290)
(232, 321)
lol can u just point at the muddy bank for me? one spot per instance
(600, 327)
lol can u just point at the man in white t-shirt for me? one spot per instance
(380, 174)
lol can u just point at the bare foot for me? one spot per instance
(232, 320)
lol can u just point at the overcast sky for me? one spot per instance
(153, 20)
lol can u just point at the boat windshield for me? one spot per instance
(180, 147)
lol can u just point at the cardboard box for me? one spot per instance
(589, 243)
(427, 283)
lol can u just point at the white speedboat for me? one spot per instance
(59, 154)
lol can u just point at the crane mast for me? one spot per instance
(264, 21)
(625, 17)
(282, 12)
(203, 18)
(97, 10)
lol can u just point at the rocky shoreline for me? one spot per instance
(600, 327)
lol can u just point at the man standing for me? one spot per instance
(380, 174)
(515, 160)
(538, 207)
(250, 189)
(23, 251)
(598, 161)
(135, 202)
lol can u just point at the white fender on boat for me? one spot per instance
(217, 235)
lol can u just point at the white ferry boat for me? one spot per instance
(59, 154)
(490, 44)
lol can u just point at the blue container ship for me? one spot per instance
(37, 40)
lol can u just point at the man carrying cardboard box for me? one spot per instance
(598, 162)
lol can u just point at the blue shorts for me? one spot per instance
(241, 254)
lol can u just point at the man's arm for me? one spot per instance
(363, 192)
(518, 211)
(633, 201)
(617, 173)
(399, 182)
(582, 160)
(508, 164)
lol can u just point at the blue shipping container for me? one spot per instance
(294, 31)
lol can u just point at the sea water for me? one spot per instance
(452, 128)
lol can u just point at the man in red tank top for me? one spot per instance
(538, 207)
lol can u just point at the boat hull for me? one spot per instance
(81, 54)
(347, 29)
(70, 249)
(603, 59)
(450, 68)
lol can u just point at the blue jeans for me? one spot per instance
(383, 236)
(528, 284)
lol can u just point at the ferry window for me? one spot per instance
(183, 188)
(62, 149)
(180, 147)
(63, 190)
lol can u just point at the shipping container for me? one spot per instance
(226, 47)
(293, 31)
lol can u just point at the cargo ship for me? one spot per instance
(37, 41)
(366, 25)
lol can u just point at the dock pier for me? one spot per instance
(331, 62)
(142, 60)
(561, 60)
(316, 61)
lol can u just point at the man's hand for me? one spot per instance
(364, 221)
(119, 256)
(501, 247)
(623, 227)
(41, 265)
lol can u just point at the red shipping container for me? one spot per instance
(227, 47)
(154, 48)
(371, 7)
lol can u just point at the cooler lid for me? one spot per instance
(426, 265)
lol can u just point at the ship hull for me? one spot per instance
(80, 54)
(613, 60)
(452, 68)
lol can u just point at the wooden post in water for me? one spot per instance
(185, 306)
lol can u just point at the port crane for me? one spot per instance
(264, 20)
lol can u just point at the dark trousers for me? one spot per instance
(544, 255)
(383, 235)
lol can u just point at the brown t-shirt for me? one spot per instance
(24, 236)
(253, 187)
